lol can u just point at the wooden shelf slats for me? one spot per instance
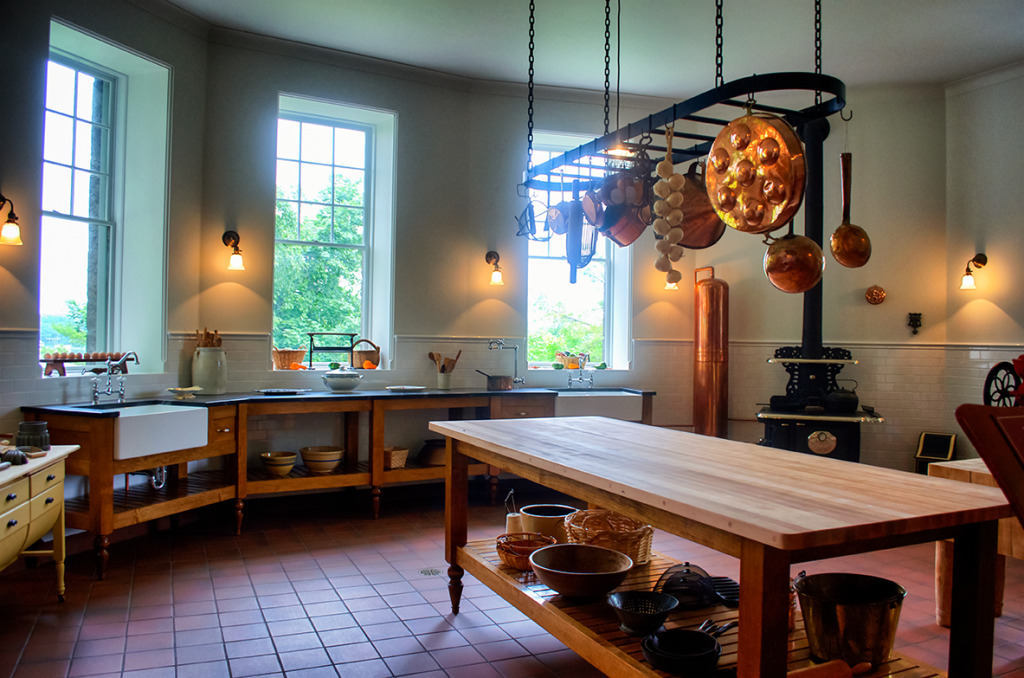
(591, 628)
(141, 502)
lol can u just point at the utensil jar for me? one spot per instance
(210, 370)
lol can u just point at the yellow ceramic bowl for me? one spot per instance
(278, 463)
(321, 458)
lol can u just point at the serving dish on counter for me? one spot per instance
(281, 391)
(342, 379)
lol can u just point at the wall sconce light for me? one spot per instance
(231, 239)
(10, 233)
(492, 258)
(979, 261)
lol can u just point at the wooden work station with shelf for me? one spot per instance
(107, 506)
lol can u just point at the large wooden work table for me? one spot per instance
(769, 508)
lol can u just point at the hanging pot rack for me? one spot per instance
(576, 165)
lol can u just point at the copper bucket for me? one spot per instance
(852, 617)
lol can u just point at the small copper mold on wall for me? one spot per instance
(875, 295)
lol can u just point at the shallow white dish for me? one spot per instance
(405, 388)
(185, 393)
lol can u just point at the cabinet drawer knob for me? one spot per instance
(522, 414)
(223, 430)
(12, 523)
(49, 500)
(50, 478)
(12, 497)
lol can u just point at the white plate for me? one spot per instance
(405, 388)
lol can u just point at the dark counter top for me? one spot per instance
(109, 408)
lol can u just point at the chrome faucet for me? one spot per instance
(113, 367)
(498, 344)
(588, 380)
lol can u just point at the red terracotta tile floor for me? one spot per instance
(316, 588)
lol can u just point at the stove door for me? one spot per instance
(833, 439)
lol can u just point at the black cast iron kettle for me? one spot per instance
(842, 400)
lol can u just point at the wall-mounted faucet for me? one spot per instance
(498, 344)
(113, 367)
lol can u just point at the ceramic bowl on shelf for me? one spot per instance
(343, 379)
(580, 570)
(278, 463)
(321, 458)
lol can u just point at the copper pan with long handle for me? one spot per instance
(701, 226)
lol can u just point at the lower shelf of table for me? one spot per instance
(140, 502)
(592, 629)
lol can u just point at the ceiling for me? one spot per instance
(667, 46)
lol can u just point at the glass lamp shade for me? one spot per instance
(967, 282)
(671, 286)
(10, 234)
(235, 263)
(496, 277)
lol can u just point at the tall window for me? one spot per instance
(77, 223)
(333, 229)
(104, 200)
(590, 315)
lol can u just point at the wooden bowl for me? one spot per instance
(321, 458)
(278, 463)
(580, 570)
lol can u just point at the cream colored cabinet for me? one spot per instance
(32, 504)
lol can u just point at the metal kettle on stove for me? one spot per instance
(842, 400)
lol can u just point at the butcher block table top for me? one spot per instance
(770, 508)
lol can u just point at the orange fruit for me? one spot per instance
(368, 365)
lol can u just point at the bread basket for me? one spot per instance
(514, 548)
(600, 527)
(394, 457)
(284, 357)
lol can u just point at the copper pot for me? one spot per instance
(850, 244)
(702, 227)
(794, 263)
(755, 173)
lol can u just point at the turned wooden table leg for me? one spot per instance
(239, 515)
(494, 486)
(375, 500)
(456, 509)
(100, 545)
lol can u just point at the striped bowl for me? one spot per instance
(321, 458)
(278, 463)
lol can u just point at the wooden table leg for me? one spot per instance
(972, 623)
(456, 510)
(764, 608)
(376, 455)
(944, 581)
(58, 550)
(100, 545)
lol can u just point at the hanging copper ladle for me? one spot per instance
(850, 244)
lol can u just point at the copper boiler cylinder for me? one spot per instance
(711, 356)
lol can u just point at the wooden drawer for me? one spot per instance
(14, 520)
(12, 542)
(222, 430)
(44, 510)
(46, 478)
(516, 407)
(13, 495)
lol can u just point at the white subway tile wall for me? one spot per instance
(915, 388)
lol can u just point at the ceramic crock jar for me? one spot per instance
(210, 370)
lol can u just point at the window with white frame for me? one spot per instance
(104, 200)
(333, 249)
(589, 316)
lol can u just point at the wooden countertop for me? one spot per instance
(786, 500)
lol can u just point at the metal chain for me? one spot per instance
(719, 80)
(607, 60)
(529, 98)
(817, 46)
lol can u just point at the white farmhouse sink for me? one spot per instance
(142, 430)
(611, 404)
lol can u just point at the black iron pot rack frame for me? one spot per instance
(570, 172)
(558, 173)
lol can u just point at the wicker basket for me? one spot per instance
(515, 548)
(599, 527)
(394, 457)
(361, 356)
(284, 357)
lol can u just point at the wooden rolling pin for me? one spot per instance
(836, 668)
